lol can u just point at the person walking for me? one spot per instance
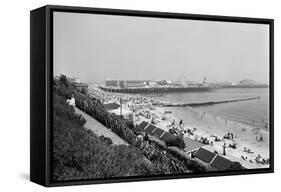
(223, 147)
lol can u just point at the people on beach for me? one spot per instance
(217, 139)
(204, 140)
(223, 149)
(260, 138)
(146, 138)
(244, 157)
(233, 145)
(181, 123)
(229, 136)
(247, 150)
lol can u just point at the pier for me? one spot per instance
(157, 89)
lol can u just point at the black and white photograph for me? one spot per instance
(143, 95)
(146, 96)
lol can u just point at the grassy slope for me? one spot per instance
(79, 154)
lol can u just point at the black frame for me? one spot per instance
(41, 75)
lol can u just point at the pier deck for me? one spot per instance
(157, 89)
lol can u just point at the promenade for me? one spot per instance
(99, 129)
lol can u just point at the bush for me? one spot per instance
(194, 165)
(176, 142)
(106, 140)
(129, 124)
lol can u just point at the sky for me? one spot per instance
(96, 47)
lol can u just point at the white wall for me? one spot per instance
(14, 97)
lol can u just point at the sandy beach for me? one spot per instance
(244, 135)
(204, 124)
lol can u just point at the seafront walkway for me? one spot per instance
(99, 129)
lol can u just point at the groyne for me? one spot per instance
(206, 103)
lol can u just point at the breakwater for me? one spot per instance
(206, 103)
(157, 89)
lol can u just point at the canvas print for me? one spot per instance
(142, 96)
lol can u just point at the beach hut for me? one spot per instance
(111, 106)
(191, 145)
(220, 163)
(216, 161)
(204, 155)
(155, 131)
(143, 125)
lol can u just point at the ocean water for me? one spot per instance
(250, 112)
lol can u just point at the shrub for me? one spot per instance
(192, 164)
(176, 142)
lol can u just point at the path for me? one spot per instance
(99, 129)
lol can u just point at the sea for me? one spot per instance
(251, 112)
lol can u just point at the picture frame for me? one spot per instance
(42, 56)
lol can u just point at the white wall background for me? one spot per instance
(14, 97)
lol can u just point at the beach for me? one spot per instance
(207, 125)
(204, 124)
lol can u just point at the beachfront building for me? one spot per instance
(161, 82)
(134, 83)
(80, 86)
(125, 83)
(74, 80)
(117, 110)
(152, 83)
(112, 83)
(247, 82)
